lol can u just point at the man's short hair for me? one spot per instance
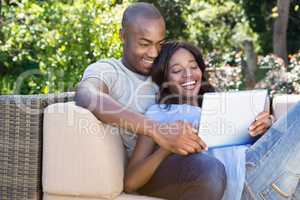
(136, 10)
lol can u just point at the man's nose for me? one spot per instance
(153, 52)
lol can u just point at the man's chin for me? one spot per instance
(145, 71)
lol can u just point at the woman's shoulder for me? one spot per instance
(171, 108)
(156, 108)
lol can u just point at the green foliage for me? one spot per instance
(172, 11)
(293, 36)
(261, 15)
(54, 41)
(46, 45)
(261, 20)
(225, 72)
(218, 25)
(279, 79)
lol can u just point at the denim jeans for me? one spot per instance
(193, 177)
(296, 195)
(273, 162)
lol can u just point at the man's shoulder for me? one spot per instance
(105, 70)
(103, 64)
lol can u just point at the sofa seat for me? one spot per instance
(122, 196)
(282, 103)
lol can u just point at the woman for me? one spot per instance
(179, 72)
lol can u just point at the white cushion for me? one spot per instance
(81, 155)
(282, 103)
(123, 196)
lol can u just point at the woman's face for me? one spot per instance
(184, 74)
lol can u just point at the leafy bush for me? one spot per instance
(54, 41)
(46, 45)
(172, 11)
(261, 15)
(218, 25)
(280, 79)
(224, 70)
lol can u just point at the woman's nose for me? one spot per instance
(187, 73)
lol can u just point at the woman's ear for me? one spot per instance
(157, 96)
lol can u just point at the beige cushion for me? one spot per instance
(123, 196)
(282, 103)
(81, 155)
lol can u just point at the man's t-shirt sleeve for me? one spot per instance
(103, 71)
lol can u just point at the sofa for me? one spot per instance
(52, 149)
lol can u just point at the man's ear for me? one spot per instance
(122, 34)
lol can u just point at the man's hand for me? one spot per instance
(262, 123)
(179, 137)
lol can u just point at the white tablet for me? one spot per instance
(226, 116)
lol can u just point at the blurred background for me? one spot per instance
(45, 45)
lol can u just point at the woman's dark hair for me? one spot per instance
(160, 71)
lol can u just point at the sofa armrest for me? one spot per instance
(81, 156)
(282, 103)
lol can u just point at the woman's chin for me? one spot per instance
(191, 94)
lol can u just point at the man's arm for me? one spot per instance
(93, 94)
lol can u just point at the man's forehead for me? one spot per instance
(144, 27)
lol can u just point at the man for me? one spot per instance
(118, 92)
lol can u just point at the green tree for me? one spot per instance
(54, 41)
(261, 15)
(172, 11)
(218, 25)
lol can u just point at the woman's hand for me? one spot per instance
(262, 123)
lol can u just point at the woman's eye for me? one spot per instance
(195, 67)
(176, 71)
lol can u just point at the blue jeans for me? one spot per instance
(273, 162)
(193, 177)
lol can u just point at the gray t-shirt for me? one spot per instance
(134, 91)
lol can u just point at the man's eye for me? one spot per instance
(144, 45)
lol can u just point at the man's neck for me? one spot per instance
(131, 68)
(125, 63)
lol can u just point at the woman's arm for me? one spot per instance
(143, 164)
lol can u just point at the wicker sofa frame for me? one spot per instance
(21, 130)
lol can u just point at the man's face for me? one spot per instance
(142, 42)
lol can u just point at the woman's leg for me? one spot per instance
(273, 162)
(197, 176)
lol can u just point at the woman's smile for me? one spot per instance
(190, 85)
